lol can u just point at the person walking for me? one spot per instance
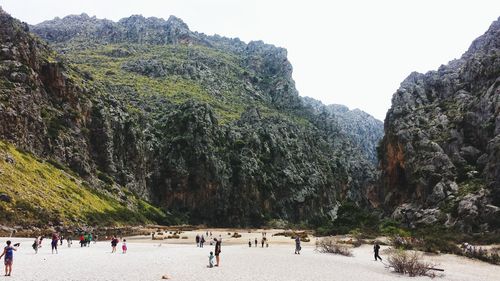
(55, 239)
(262, 242)
(114, 242)
(197, 240)
(376, 249)
(217, 251)
(36, 245)
(202, 241)
(8, 252)
(249, 243)
(297, 245)
(256, 242)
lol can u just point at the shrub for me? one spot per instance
(436, 245)
(330, 246)
(404, 243)
(491, 256)
(293, 234)
(410, 263)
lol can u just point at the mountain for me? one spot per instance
(39, 100)
(210, 129)
(440, 155)
(365, 130)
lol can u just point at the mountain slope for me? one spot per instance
(36, 193)
(204, 126)
(364, 130)
(440, 154)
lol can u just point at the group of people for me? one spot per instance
(263, 241)
(218, 244)
(200, 240)
(86, 238)
(114, 243)
(54, 242)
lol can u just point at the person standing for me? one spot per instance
(376, 249)
(114, 242)
(82, 240)
(36, 245)
(55, 239)
(256, 242)
(197, 240)
(211, 260)
(262, 241)
(8, 252)
(86, 238)
(249, 243)
(217, 251)
(124, 246)
(297, 245)
(202, 241)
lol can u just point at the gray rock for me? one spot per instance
(5, 198)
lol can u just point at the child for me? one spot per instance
(8, 252)
(211, 260)
(124, 246)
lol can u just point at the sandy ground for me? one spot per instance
(148, 260)
(226, 235)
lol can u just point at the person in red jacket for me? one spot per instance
(82, 240)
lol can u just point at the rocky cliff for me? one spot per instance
(45, 110)
(209, 128)
(440, 156)
(364, 130)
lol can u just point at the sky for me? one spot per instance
(354, 53)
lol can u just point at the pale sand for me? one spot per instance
(149, 261)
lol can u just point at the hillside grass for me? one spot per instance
(228, 103)
(42, 193)
(223, 82)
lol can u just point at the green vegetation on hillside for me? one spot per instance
(41, 193)
(179, 73)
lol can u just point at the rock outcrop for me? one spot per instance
(209, 128)
(440, 156)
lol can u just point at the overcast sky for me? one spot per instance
(354, 53)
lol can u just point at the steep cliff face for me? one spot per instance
(207, 127)
(440, 153)
(364, 130)
(45, 109)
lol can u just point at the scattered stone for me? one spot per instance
(5, 198)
